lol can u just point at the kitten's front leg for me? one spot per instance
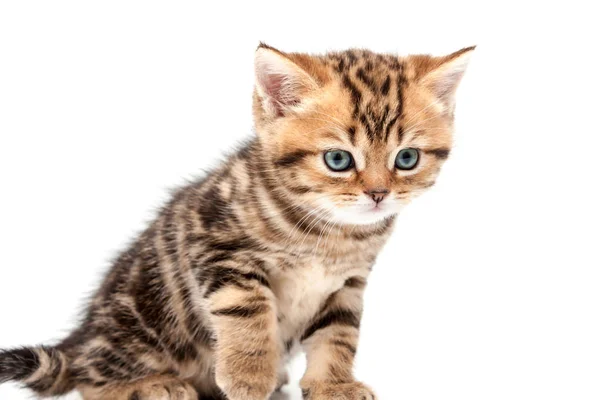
(247, 350)
(330, 342)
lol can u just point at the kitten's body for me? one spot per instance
(241, 267)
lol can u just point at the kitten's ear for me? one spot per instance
(443, 74)
(280, 83)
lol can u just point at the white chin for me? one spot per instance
(352, 217)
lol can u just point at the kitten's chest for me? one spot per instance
(301, 292)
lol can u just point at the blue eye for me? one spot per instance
(338, 160)
(407, 159)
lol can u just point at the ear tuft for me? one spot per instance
(263, 45)
(445, 73)
(280, 83)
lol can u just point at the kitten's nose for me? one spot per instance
(378, 194)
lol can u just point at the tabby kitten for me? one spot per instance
(270, 251)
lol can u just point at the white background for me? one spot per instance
(490, 288)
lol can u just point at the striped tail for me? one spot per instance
(42, 369)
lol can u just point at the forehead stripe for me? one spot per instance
(385, 87)
(367, 125)
(367, 80)
(389, 126)
(352, 135)
(400, 82)
(380, 121)
(354, 92)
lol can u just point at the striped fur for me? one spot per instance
(239, 268)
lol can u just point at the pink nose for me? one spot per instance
(377, 194)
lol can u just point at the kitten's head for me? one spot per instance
(354, 135)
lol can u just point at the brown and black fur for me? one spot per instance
(235, 272)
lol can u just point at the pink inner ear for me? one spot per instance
(447, 83)
(272, 85)
(282, 83)
(444, 80)
(279, 90)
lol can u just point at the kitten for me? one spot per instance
(272, 250)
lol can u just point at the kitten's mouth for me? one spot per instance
(364, 214)
(375, 209)
(380, 206)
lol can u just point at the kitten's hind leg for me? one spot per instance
(159, 387)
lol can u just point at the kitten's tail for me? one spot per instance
(42, 369)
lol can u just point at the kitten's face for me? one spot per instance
(352, 137)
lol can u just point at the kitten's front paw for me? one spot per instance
(246, 391)
(342, 391)
(240, 387)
